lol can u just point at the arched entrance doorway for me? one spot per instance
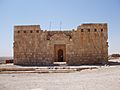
(60, 55)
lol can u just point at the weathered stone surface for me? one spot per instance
(85, 45)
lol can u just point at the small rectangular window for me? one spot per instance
(81, 30)
(95, 30)
(101, 30)
(31, 31)
(88, 30)
(37, 31)
(24, 31)
(18, 31)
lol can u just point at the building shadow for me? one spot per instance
(113, 63)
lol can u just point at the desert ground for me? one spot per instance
(103, 78)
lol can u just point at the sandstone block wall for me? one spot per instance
(85, 45)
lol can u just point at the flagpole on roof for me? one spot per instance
(60, 25)
(50, 26)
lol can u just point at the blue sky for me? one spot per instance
(70, 12)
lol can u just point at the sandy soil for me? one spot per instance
(103, 78)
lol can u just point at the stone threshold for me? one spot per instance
(60, 63)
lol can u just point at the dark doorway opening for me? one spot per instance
(60, 55)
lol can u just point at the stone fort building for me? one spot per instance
(85, 45)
